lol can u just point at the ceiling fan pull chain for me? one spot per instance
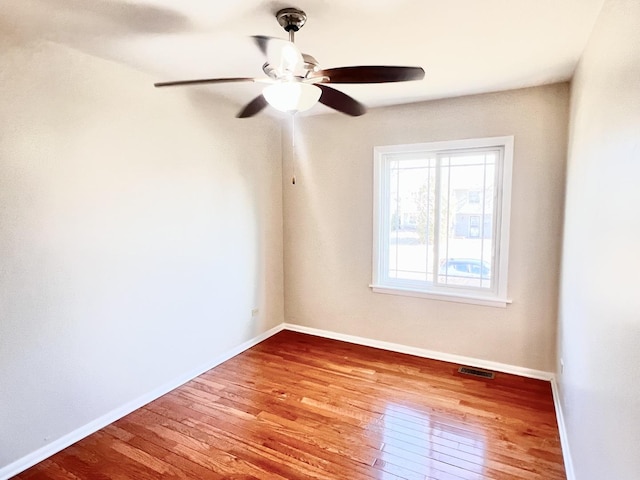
(293, 147)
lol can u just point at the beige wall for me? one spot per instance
(138, 230)
(328, 228)
(599, 339)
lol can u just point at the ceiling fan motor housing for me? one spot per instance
(291, 19)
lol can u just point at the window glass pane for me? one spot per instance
(411, 216)
(465, 250)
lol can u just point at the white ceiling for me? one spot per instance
(465, 46)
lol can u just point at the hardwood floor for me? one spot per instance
(299, 407)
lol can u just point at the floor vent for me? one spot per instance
(476, 372)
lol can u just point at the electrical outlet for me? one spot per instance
(254, 312)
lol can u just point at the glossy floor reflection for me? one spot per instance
(423, 445)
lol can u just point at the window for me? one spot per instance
(441, 220)
(474, 226)
(474, 196)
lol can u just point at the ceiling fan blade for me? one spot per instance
(262, 42)
(206, 80)
(340, 101)
(283, 55)
(254, 106)
(370, 74)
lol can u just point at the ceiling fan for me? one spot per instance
(295, 81)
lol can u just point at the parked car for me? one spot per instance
(465, 267)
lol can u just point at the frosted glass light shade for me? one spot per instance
(292, 96)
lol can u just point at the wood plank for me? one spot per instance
(298, 407)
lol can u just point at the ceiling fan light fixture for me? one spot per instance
(292, 96)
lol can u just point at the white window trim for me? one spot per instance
(498, 299)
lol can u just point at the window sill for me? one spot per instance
(445, 297)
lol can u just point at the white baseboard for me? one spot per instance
(564, 438)
(421, 352)
(60, 444)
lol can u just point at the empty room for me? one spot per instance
(358, 239)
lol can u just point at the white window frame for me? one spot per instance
(382, 158)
